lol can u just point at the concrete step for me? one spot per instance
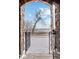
(38, 56)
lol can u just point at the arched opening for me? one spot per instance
(56, 19)
(38, 21)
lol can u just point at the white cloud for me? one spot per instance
(30, 15)
(47, 11)
(42, 9)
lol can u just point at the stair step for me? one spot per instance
(39, 56)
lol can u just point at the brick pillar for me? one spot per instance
(21, 40)
(57, 23)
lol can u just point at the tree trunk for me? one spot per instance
(35, 25)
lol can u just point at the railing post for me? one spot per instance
(49, 42)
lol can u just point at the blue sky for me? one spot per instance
(30, 10)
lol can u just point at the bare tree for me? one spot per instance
(38, 17)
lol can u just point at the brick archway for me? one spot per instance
(51, 18)
(56, 2)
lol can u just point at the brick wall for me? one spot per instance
(57, 18)
(22, 31)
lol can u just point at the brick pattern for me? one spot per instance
(55, 39)
(22, 30)
(57, 17)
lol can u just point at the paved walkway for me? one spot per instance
(39, 43)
